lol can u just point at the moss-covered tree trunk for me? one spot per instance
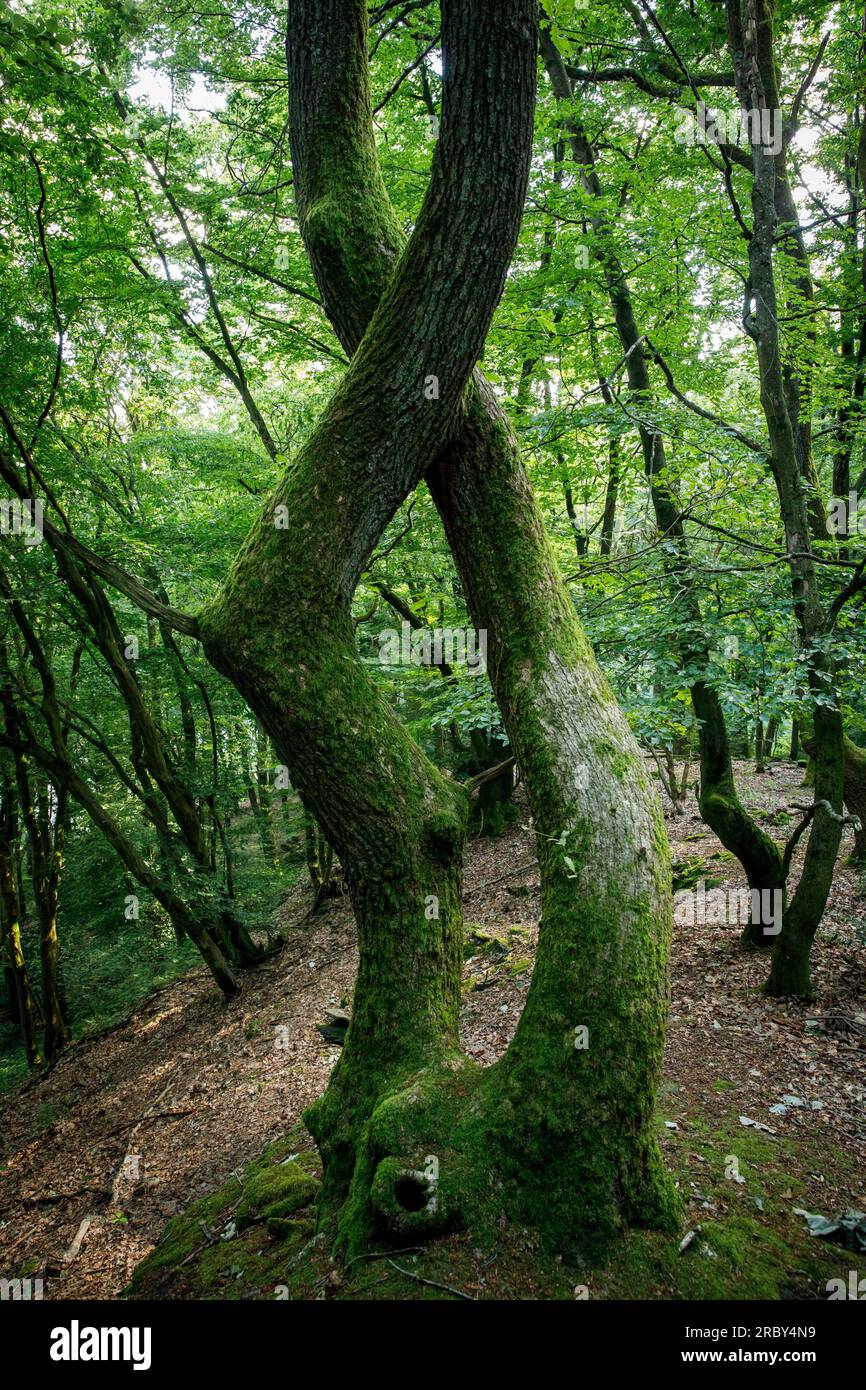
(722, 809)
(282, 629)
(566, 1116)
(561, 1131)
(854, 789)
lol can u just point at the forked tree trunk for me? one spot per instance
(282, 629)
(577, 1155)
(564, 1122)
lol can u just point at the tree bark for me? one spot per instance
(750, 40)
(566, 1128)
(719, 803)
(11, 949)
(855, 793)
(282, 629)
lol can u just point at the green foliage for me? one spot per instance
(164, 354)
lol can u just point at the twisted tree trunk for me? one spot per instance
(282, 629)
(413, 1134)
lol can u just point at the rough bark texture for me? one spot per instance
(282, 629)
(561, 1131)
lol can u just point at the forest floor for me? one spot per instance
(762, 1108)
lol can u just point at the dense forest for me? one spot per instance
(432, 663)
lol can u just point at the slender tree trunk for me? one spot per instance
(153, 765)
(264, 825)
(750, 40)
(54, 1003)
(719, 803)
(44, 841)
(11, 949)
(184, 917)
(320, 859)
(760, 764)
(20, 737)
(608, 521)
